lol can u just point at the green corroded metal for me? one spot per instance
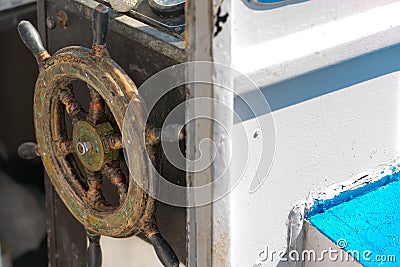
(99, 154)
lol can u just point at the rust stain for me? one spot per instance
(62, 19)
(221, 250)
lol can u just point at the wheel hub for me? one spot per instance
(90, 144)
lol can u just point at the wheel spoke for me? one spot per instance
(73, 107)
(97, 107)
(94, 193)
(63, 148)
(114, 141)
(117, 178)
(152, 136)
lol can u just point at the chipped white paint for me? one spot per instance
(221, 238)
(302, 235)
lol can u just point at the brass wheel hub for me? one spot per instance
(90, 144)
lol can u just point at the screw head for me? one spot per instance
(50, 23)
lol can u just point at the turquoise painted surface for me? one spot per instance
(369, 223)
(322, 205)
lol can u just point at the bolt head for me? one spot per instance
(83, 147)
(50, 23)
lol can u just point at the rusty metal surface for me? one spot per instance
(62, 18)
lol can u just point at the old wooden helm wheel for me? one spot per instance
(96, 139)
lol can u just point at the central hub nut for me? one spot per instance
(92, 150)
(83, 147)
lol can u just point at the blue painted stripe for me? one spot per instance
(369, 221)
(322, 205)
